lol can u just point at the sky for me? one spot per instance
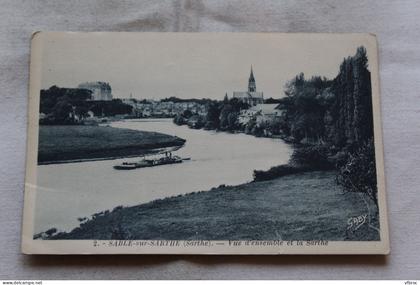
(192, 65)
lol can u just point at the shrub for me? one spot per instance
(179, 120)
(358, 172)
(51, 231)
(277, 171)
(312, 156)
(118, 208)
(209, 125)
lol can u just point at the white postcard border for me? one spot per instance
(31, 246)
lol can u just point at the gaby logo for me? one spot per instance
(356, 222)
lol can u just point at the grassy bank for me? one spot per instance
(304, 206)
(66, 143)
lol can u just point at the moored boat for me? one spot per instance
(125, 166)
(167, 159)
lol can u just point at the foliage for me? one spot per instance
(337, 111)
(278, 171)
(179, 120)
(187, 114)
(109, 108)
(352, 108)
(221, 115)
(313, 156)
(180, 100)
(272, 101)
(57, 103)
(304, 107)
(71, 105)
(226, 117)
(213, 115)
(358, 172)
(196, 122)
(51, 231)
(183, 118)
(332, 122)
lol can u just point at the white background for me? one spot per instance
(397, 26)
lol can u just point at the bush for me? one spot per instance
(179, 120)
(51, 231)
(312, 156)
(118, 208)
(358, 172)
(278, 171)
(210, 125)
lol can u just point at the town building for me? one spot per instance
(153, 108)
(262, 113)
(267, 113)
(251, 97)
(101, 91)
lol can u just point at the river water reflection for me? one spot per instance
(72, 190)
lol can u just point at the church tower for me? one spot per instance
(251, 96)
(251, 82)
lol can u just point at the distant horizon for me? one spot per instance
(192, 66)
(160, 99)
(230, 96)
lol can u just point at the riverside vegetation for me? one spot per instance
(69, 106)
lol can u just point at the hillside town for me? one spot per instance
(245, 111)
(162, 108)
(93, 103)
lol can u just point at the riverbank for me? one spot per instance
(60, 144)
(303, 206)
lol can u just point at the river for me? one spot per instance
(71, 190)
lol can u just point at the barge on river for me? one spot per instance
(167, 159)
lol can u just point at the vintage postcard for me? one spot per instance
(204, 143)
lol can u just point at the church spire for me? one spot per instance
(251, 82)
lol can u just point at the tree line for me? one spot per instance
(220, 115)
(337, 111)
(70, 105)
(332, 122)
